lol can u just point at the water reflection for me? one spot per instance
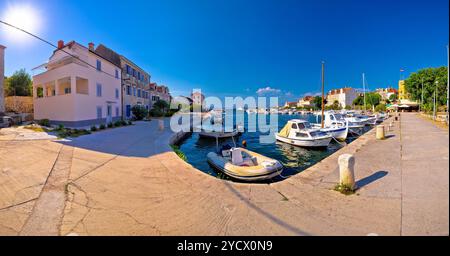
(295, 159)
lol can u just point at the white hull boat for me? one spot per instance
(300, 133)
(220, 135)
(243, 164)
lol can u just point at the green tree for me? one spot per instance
(393, 97)
(139, 112)
(373, 98)
(19, 84)
(428, 76)
(359, 101)
(317, 102)
(161, 105)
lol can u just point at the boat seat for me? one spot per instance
(236, 156)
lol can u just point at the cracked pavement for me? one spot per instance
(127, 181)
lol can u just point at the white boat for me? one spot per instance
(335, 125)
(218, 134)
(243, 164)
(300, 133)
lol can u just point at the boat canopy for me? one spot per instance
(285, 131)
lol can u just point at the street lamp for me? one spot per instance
(434, 106)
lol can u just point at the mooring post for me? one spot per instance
(346, 170)
(161, 125)
(380, 132)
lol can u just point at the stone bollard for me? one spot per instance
(346, 170)
(380, 132)
(161, 125)
(391, 125)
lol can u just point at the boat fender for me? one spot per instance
(244, 143)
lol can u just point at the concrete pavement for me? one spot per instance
(127, 181)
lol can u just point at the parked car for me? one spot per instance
(5, 121)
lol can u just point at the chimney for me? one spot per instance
(91, 46)
(60, 44)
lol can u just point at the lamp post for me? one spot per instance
(434, 106)
(421, 99)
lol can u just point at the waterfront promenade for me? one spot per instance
(127, 181)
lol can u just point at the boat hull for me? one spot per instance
(337, 133)
(220, 135)
(257, 173)
(307, 143)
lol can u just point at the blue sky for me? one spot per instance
(235, 48)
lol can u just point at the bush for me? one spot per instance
(139, 112)
(60, 127)
(118, 123)
(154, 112)
(380, 108)
(129, 122)
(110, 125)
(93, 128)
(123, 122)
(102, 127)
(44, 122)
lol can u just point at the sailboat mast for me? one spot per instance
(364, 91)
(323, 93)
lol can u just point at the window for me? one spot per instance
(134, 72)
(99, 112)
(128, 90)
(117, 93)
(139, 93)
(134, 91)
(294, 126)
(128, 110)
(67, 90)
(128, 69)
(301, 126)
(302, 135)
(39, 92)
(117, 74)
(99, 90)
(117, 111)
(139, 76)
(99, 65)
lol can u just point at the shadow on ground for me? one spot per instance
(142, 139)
(371, 178)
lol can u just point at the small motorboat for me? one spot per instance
(243, 164)
(218, 134)
(335, 125)
(300, 133)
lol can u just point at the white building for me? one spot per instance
(76, 90)
(345, 96)
(2, 78)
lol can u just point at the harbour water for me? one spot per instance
(295, 159)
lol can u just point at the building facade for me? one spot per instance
(305, 102)
(291, 104)
(135, 81)
(77, 90)
(136, 87)
(197, 98)
(402, 93)
(344, 96)
(2, 79)
(386, 93)
(159, 92)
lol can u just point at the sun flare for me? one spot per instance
(22, 16)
